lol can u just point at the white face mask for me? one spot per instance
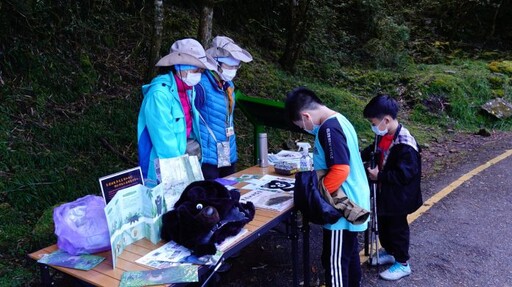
(228, 74)
(378, 132)
(192, 79)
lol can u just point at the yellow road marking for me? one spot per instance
(451, 187)
(447, 190)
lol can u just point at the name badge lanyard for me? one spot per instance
(223, 148)
(229, 106)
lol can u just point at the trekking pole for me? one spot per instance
(374, 228)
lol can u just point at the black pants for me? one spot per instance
(394, 236)
(340, 258)
(211, 171)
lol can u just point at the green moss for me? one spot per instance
(496, 80)
(504, 67)
(498, 93)
(88, 75)
(44, 229)
(489, 55)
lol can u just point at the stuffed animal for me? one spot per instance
(206, 214)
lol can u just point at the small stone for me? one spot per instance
(484, 133)
(499, 108)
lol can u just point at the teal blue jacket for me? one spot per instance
(161, 128)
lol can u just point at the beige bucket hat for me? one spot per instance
(188, 52)
(223, 46)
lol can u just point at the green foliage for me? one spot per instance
(88, 75)
(13, 276)
(388, 46)
(71, 73)
(457, 19)
(44, 228)
(457, 92)
(15, 243)
(14, 226)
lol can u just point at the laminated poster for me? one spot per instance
(174, 274)
(64, 259)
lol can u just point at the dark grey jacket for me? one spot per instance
(399, 190)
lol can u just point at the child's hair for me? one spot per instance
(380, 106)
(298, 100)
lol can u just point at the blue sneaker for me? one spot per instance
(384, 258)
(396, 271)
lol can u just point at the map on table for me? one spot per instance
(64, 259)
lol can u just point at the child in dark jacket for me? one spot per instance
(398, 177)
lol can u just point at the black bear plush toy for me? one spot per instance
(206, 214)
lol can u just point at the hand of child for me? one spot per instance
(373, 173)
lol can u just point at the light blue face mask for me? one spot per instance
(378, 132)
(313, 131)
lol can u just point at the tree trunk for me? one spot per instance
(297, 33)
(204, 33)
(494, 18)
(156, 41)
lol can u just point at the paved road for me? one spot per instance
(465, 239)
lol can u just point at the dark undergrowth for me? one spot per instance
(70, 101)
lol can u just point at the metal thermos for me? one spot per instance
(263, 150)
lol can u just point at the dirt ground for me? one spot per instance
(267, 261)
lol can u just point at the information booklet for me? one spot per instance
(112, 183)
(134, 213)
(270, 192)
(173, 254)
(175, 174)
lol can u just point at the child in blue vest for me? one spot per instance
(336, 150)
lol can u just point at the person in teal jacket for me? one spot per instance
(168, 123)
(216, 104)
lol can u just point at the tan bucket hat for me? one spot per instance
(188, 52)
(223, 46)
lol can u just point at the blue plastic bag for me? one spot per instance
(81, 226)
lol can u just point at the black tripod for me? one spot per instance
(371, 235)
